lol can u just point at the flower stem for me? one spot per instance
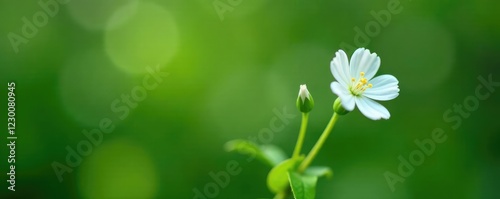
(302, 134)
(317, 147)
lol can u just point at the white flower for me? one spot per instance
(355, 85)
(304, 93)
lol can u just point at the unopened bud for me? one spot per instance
(338, 108)
(305, 102)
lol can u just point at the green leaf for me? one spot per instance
(277, 179)
(274, 154)
(248, 148)
(319, 171)
(303, 186)
(268, 154)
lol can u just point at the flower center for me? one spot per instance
(358, 86)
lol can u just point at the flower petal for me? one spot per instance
(385, 87)
(340, 68)
(345, 96)
(372, 109)
(348, 102)
(364, 61)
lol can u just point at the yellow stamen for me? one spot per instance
(363, 80)
(359, 86)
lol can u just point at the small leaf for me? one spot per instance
(319, 171)
(274, 154)
(268, 154)
(277, 179)
(303, 186)
(248, 148)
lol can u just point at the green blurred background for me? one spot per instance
(227, 77)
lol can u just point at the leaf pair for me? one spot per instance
(277, 179)
(283, 174)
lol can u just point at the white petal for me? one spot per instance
(364, 61)
(340, 68)
(303, 92)
(383, 96)
(384, 80)
(338, 89)
(372, 109)
(385, 87)
(348, 102)
(345, 96)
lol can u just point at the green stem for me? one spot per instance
(317, 147)
(302, 134)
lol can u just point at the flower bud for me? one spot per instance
(338, 108)
(305, 102)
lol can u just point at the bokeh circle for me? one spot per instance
(148, 38)
(118, 169)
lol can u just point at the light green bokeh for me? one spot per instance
(148, 38)
(118, 169)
